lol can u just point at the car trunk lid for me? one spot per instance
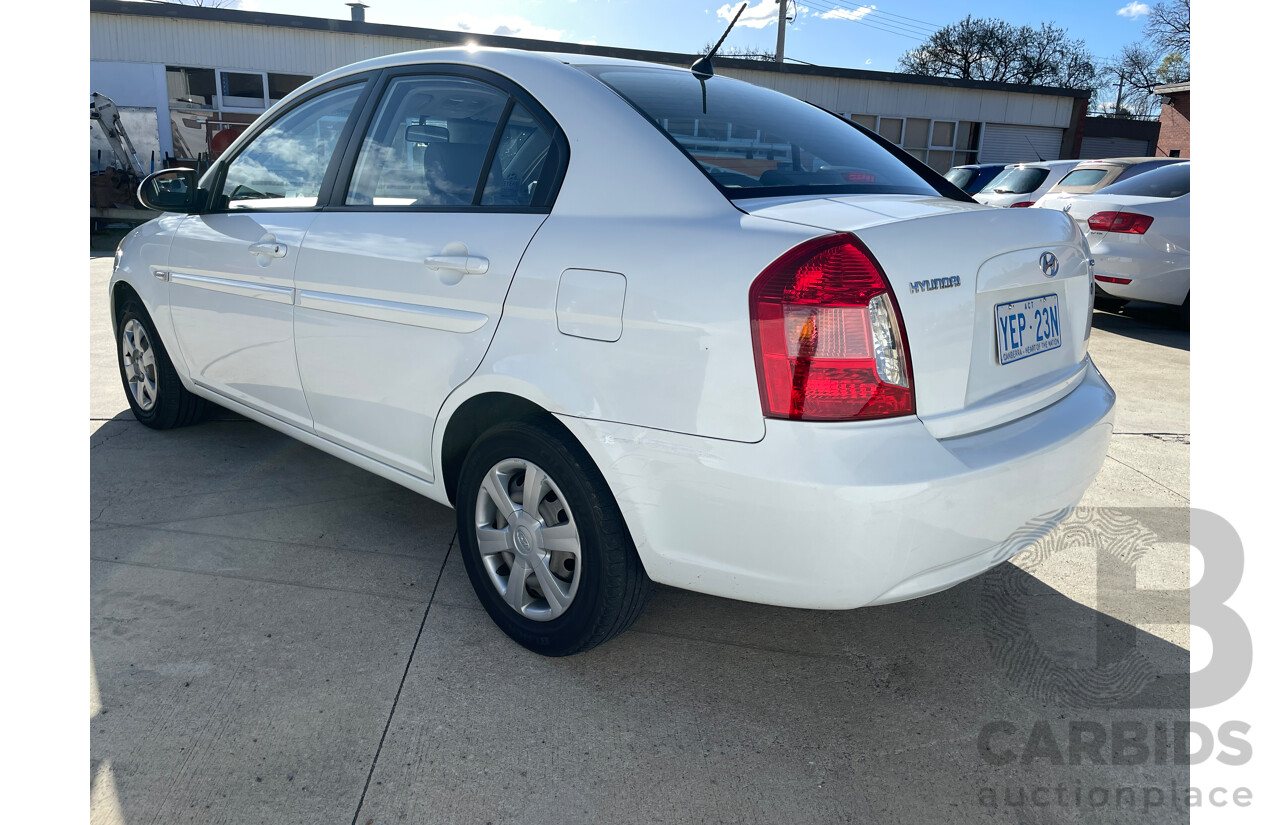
(953, 266)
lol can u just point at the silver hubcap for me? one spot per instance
(139, 361)
(528, 539)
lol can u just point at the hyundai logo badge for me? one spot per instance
(1049, 263)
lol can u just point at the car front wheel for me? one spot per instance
(154, 390)
(544, 542)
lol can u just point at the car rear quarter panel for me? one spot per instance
(684, 361)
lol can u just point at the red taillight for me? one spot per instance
(1129, 223)
(828, 336)
(859, 177)
(1106, 279)
(1022, 204)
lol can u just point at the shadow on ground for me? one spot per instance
(266, 621)
(1153, 323)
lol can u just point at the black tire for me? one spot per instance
(612, 587)
(1109, 304)
(172, 405)
(1184, 312)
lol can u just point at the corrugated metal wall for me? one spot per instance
(1113, 147)
(141, 39)
(208, 44)
(1008, 143)
(871, 97)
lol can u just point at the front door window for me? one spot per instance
(285, 165)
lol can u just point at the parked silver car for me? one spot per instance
(1021, 184)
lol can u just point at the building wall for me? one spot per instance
(135, 85)
(1175, 126)
(130, 51)
(216, 44)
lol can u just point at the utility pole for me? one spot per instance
(782, 29)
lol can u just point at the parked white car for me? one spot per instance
(1022, 184)
(634, 325)
(1090, 176)
(1139, 232)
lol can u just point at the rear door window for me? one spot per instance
(1165, 182)
(430, 141)
(754, 142)
(427, 143)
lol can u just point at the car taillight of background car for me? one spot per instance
(1129, 223)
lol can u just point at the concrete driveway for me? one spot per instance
(279, 637)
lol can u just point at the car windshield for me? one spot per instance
(961, 177)
(1017, 180)
(1166, 182)
(754, 142)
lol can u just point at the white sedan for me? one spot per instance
(635, 325)
(1139, 231)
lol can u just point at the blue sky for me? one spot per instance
(827, 32)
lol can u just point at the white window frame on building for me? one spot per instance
(939, 156)
(241, 104)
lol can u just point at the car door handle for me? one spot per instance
(466, 264)
(272, 249)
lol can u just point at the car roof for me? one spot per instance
(1130, 161)
(1043, 164)
(504, 60)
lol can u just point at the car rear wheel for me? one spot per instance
(152, 386)
(544, 543)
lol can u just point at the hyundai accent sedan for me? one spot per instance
(635, 325)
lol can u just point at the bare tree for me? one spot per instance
(1169, 26)
(208, 4)
(991, 49)
(739, 52)
(1133, 74)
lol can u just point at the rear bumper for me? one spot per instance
(1154, 275)
(837, 516)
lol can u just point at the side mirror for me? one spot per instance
(171, 190)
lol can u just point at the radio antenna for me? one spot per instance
(701, 67)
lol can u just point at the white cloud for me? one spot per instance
(1134, 10)
(507, 25)
(764, 13)
(847, 14)
(868, 63)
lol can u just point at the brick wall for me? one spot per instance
(1175, 126)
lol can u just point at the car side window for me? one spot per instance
(520, 161)
(285, 165)
(427, 143)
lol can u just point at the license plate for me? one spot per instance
(1027, 327)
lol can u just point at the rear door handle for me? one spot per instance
(466, 264)
(271, 249)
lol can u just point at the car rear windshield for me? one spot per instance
(961, 177)
(1165, 182)
(1017, 181)
(1083, 177)
(754, 142)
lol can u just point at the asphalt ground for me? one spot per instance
(279, 637)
